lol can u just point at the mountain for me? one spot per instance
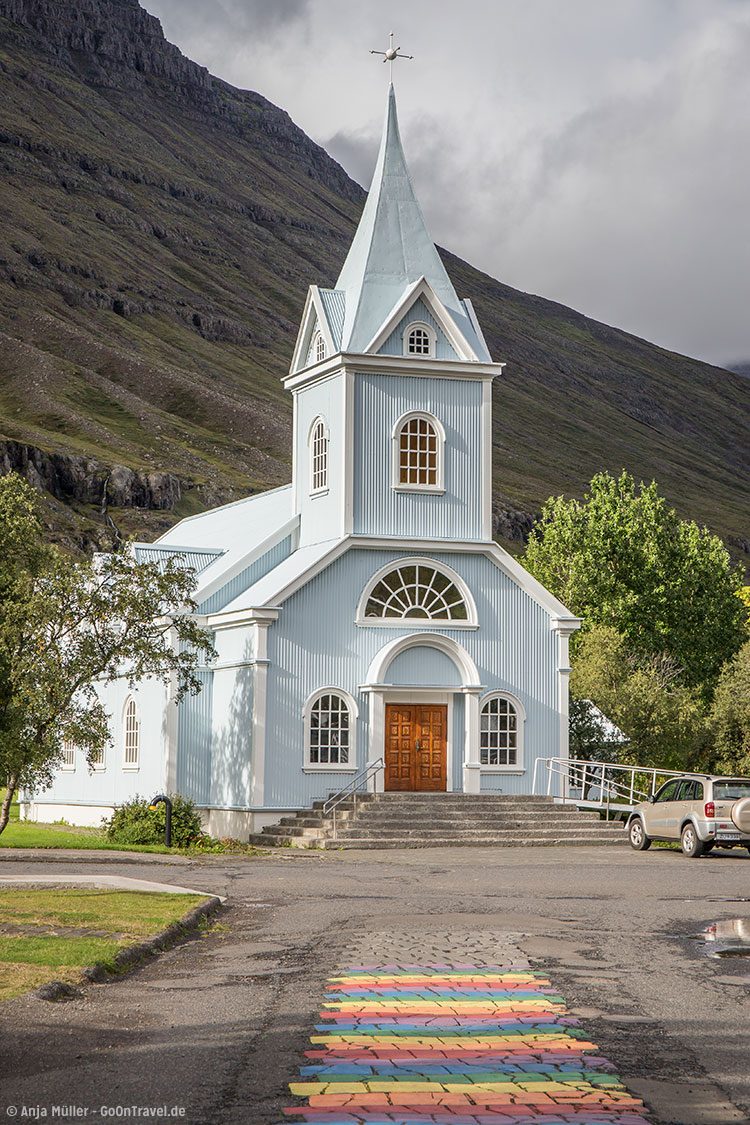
(740, 368)
(159, 230)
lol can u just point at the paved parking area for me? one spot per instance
(219, 1027)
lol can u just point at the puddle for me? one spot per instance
(728, 938)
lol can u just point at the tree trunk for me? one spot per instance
(7, 800)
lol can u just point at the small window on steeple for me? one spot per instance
(419, 340)
(319, 347)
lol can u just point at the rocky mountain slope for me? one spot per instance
(159, 230)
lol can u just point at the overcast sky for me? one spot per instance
(593, 151)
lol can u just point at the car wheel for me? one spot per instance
(638, 838)
(692, 846)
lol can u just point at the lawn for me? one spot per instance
(30, 834)
(53, 933)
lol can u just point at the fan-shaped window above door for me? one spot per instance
(416, 591)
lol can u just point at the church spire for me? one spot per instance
(391, 249)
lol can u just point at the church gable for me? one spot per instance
(419, 316)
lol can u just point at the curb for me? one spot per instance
(61, 855)
(134, 955)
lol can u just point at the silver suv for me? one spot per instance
(700, 811)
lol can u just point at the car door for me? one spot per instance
(682, 806)
(660, 811)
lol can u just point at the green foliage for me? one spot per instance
(621, 557)
(730, 715)
(136, 822)
(67, 627)
(590, 740)
(664, 721)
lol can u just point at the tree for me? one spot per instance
(622, 557)
(69, 627)
(730, 715)
(663, 720)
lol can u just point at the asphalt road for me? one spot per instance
(218, 1025)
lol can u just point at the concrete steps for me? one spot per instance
(419, 820)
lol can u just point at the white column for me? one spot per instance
(260, 701)
(563, 700)
(472, 764)
(171, 726)
(376, 736)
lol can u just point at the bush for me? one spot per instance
(136, 823)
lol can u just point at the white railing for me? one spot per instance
(358, 784)
(603, 785)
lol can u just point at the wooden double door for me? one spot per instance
(416, 747)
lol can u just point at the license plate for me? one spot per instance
(728, 836)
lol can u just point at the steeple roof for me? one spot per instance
(392, 250)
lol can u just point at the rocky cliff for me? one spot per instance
(158, 231)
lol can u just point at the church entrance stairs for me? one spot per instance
(419, 820)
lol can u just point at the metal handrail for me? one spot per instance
(576, 772)
(352, 789)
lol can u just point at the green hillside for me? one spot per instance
(159, 230)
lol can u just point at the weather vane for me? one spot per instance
(391, 55)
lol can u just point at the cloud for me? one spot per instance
(594, 153)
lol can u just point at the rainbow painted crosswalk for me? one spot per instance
(454, 1045)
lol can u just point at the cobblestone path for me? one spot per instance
(454, 1043)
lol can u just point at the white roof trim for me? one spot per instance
(423, 289)
(313, 307)
(246, 560)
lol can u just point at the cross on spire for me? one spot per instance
(391, 55)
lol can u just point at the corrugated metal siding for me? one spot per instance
(232, 737)
(189, 556)
(315, 644)
(334, 306)
(247, 577)
(419, 311)
(380, 400)
(423, 667)
(321, 514)
(194, 759)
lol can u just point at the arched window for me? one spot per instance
(418, 443)
(419, 340)
(319, 347)
(501, 733)
(318, 457)
(68, 755)
(132, 742)
(416, 591)
(330, 724)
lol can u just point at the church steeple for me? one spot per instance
(392, 250)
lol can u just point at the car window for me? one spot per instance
(686, 791)
(731, 790)
(667, 792)
(699, 791)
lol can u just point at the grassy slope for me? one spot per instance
(208, 233)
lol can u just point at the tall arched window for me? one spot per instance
(68, 755)
(318, 456)
(132, 740)
(330, 723)
(319, 347)
(416, 591)
(501, 733)
(418, 445)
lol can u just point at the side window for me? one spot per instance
(319, 347)
(132, 754)
(668, 792)
(330, 723)
(318, 457)
(418, 453)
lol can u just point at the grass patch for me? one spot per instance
(62, 915)
(31, 834)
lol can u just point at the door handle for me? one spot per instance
(417, 744)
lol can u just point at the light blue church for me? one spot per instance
(363, 615)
